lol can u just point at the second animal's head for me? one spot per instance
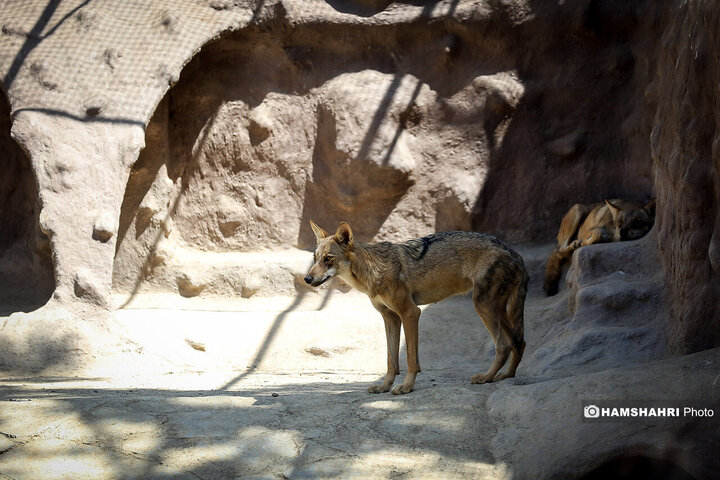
(331, 254)
(632, 223)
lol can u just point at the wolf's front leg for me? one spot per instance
(392, 334)
(410, 320)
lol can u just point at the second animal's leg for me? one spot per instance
(392, 334)
(571, 223)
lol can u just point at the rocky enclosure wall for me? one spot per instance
(686, 150)
(402, 118)
(427, 123)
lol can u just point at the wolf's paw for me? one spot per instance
(402, 389)
(502, 376)
(379, 388)
(479, 378)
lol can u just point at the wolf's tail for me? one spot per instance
(552, 272)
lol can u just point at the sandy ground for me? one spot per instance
(276, 388)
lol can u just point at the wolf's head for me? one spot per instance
(331, 254)
(632, 223)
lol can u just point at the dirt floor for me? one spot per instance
(276, 387)
(184, 405)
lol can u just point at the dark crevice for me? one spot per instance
(26, 272)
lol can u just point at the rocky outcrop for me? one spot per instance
(682, 447)
(686, 152)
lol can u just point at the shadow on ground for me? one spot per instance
(293, 430)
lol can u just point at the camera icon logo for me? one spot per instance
(591, 411)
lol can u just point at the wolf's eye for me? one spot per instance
(328, 258)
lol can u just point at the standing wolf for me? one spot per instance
(399, 277)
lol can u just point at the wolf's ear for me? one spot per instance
(344, 235)
(614, 209)
(650, 208)
(319, 232)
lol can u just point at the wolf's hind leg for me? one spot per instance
(514, 325)
(491, 317)
(392, 334)
(502, 352)
(515, 358)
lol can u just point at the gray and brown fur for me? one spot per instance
(400, 276)
(612, 221)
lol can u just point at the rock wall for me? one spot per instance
(401, 118)
(26, 275)
(426, 121)
(686, 151)
(579, 132)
